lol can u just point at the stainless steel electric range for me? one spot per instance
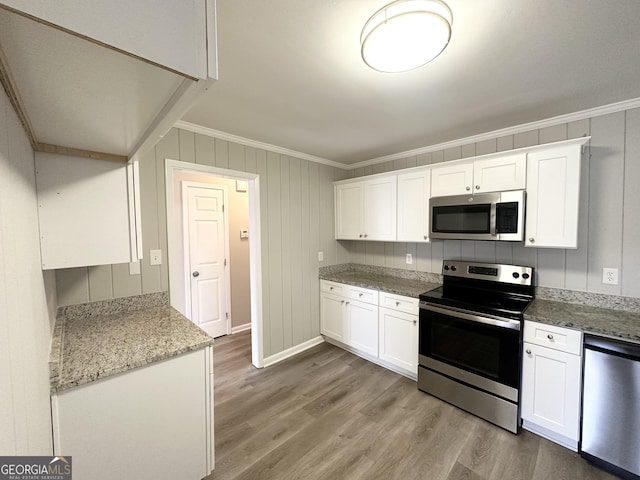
(470, 338)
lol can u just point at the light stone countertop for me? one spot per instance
(85, 349)
(616, 324)
(385, 283)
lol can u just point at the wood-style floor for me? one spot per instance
(327, 414)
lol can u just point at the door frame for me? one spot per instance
(185, 185)
(175, 249)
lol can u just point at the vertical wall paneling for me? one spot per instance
(526, 139)
(606, 199)
(452, 250)
(630, 275)
(468, 250)
(412, 161)
(437, 255)
(486, 146)
(308, 258)
(314, 243)
(100, 282)
(423, 159)
(150, 274)
(453, 153)
(222, 153)
(205, 150)
(73, 286)
(236, 157)
(168, 147)
(187, 145)
(294, 252)
(412, 248)
(399, 254)
(274, 223)
(576, 261)
(286, 247)
(261, 158)
(400, 164)
(468, 150)
(504, 143)
(250, 160)
(374, 253)
(551, 261)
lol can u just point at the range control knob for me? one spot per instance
(525, 276)
(516, 275)
(453, 268)
(446, 267)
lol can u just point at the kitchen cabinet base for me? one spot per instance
(567, 442)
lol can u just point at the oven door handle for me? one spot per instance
(486, 319)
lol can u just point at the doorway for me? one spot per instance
(180, 270)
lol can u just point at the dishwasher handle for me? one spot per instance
(614, 346)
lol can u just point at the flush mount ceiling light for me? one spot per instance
(406, 34)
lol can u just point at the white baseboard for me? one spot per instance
(290, 352)
(241, 328)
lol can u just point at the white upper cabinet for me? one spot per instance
(494, 174)
(414, 190)
(454, 179)
(172, 33)
(366, 210)
(553, 194)
(498, 174)
(87, 212)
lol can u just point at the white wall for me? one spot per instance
(609, 225)
(26, 306)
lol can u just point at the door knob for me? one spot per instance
(196, 274)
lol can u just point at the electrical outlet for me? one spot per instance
(409, 259)
(610, 276)
(155, 257)
(321, 256)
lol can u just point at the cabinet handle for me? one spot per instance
(360, 235)
(550, 337)
(468, 188)
(415, 321)
(342, 301)
(330, 288)
(528, 351)
(360, 294)
(531, 239)
(425, 237)
(365, 235)
(347, 303)
(196, 274)
(477, 187)
(397, 304)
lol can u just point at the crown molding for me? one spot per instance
(525, 127)
(192, 127)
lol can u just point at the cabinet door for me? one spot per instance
(452, 179)
(332, 311)
(414, 190)
(551, 390)
(399, 339)
(362, 326)
(553, 194)
(348, 204)
(379, 208)
(506, 172)
(83, 212)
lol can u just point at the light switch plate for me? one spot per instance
(155, 257)
(321, 256)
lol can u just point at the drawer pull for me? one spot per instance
(341, 301)
(360, 294)
(528, 351)
(347, 303)
(550, 337)
(415, 321)
(397, 304)
(330, 288)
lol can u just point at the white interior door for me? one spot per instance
(207, 253)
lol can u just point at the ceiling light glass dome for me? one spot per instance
(406, 34)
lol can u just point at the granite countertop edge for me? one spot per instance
(102, 344)
(408, 287)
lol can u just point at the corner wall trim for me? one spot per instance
(290, 352)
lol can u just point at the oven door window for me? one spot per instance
(462, 219)
(486, 350)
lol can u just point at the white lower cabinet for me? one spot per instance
(153, 422)
(381, 326)
(551, 383)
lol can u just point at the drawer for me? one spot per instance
(399, 302)
(333, 287)
(558, 338)
(362, 294)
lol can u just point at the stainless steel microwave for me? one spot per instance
(484, 216)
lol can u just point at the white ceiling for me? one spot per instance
(291, 73)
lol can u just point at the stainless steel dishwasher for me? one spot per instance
(611, 405)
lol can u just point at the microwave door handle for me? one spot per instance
(493, 219)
